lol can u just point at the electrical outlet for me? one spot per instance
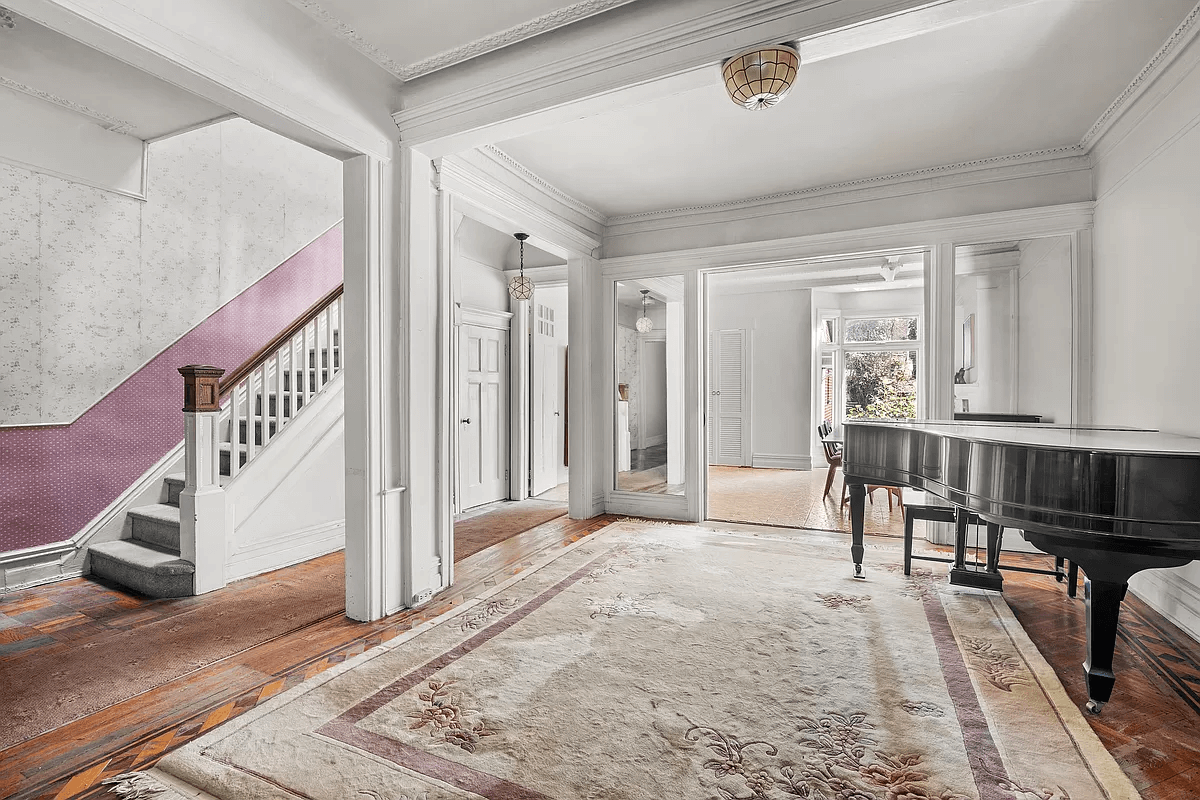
(423, 597)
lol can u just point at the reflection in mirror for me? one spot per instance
(649, 396)
(1012, 323)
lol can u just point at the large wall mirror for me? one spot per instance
(1012, 330)
(648, 403)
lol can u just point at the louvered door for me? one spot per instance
(729, 415)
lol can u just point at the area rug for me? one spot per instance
(482, 531)
(653, 661)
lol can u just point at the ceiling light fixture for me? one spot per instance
(759, 78)
(6, 18)
(889, 268)
(520, 287)
(644, 323)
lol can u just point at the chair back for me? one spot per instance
(833, 451)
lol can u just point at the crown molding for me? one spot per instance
(1025, 223)
(106, 121)
(1181, 36)
(1050, 161)
(456, 55)
(500, 196)
(507, 162)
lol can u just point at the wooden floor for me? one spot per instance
(1152, 727)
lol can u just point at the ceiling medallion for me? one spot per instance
(520, 287)
(6, 18)
(759, 78)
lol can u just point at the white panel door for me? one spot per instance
(729, 415)
(544, 406)
(483, 421)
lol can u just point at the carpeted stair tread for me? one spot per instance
(143, 568)
(159, 512)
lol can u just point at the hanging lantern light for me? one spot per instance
(644, 323)
(520, 287)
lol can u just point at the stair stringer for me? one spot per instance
(288, 504)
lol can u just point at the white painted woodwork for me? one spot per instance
(203, 515)
(483, 425)
(729, 412)
(546, 414)
(60, 142)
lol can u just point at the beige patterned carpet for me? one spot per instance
(657, 661)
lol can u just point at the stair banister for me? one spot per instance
(202, 511)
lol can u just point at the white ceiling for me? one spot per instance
(411, 38)
(1031, 77)
(46, 64)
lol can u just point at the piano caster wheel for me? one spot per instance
(1094, 707)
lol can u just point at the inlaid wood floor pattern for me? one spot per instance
(1152, 727)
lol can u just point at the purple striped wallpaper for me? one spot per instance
(53, 481)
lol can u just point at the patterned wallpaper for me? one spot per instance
(627, 372)
(58, 479)
(94, 284)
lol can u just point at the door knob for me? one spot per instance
(466, 421)
(556, 413)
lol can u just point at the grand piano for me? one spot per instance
(1113, 501)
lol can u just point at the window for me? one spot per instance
(870, 370)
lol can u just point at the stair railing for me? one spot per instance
(228, 421)
(266, 392)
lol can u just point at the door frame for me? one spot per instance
(482, 318)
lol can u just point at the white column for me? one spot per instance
(1081, 327)
(937, 396)
(424, 370)
(373, 397)
(585, 394)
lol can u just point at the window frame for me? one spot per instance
(839, 347)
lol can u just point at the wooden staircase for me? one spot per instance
(261, 398)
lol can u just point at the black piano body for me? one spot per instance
(1114, 501)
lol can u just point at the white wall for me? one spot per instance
(781, 370)
(481, 285)
(1147, 284)
(93, 283)
(653, 401)
(41, 136)
(1044, 330)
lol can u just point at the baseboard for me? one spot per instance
(778, 461)
(272, 554)
(1172, 595)
(33, 566)
(652, 441)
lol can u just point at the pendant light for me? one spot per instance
(520, 287)
(644, 323)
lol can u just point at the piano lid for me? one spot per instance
(1088, 438)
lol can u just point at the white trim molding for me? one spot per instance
(1158, 63)
(497, 191)
(106, 121)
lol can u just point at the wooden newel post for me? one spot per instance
(203, 515)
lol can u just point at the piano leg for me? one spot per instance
(858, 493)
(1103, 599)
(1108, 575)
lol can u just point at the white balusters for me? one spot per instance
(235, 430)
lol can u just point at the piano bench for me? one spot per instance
(915, 511)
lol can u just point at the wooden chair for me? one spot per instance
(833, 456)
